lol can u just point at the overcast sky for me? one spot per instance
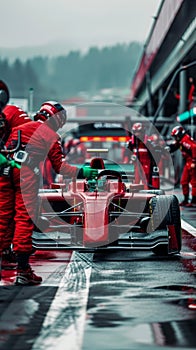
(78, 23)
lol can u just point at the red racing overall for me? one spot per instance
(39, 141)
(14, 116)
(188, 150)
(145, 166)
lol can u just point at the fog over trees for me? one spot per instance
(63, 77)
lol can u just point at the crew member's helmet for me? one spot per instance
(2, 125)
(178, 132)
(138, 128)
(54, 112)
(4, 98)
(4, 95)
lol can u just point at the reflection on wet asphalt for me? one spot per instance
(22, 312)
(112, 301)
(65, 320)
(142, 300)
(23, 309)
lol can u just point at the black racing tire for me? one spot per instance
(161, 250)
(157, 192)
(175, 219)
(165, 211)
(159, 207)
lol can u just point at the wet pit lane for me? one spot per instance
(114, 301)
(141, 301)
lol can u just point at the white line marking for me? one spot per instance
(188, 254)
(188, 227)
(63, 326)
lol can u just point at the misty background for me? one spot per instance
(95, 74)
(65, 49)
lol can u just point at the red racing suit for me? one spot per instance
(14, 117)
(47, 173)
(145, 157)
(187, 146)
(39, 141)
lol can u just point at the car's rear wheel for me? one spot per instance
(165, 214)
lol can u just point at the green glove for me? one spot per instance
(13, 164)
(5, 162)
(89, 172)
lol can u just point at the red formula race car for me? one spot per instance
(107, 213)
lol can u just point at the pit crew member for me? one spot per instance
(11, 117)
(145, 156)
(39, 139)
(187, 146)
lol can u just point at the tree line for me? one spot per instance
(60, 78)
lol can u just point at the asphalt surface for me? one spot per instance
(117, 301)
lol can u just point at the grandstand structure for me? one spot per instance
(161, 84)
